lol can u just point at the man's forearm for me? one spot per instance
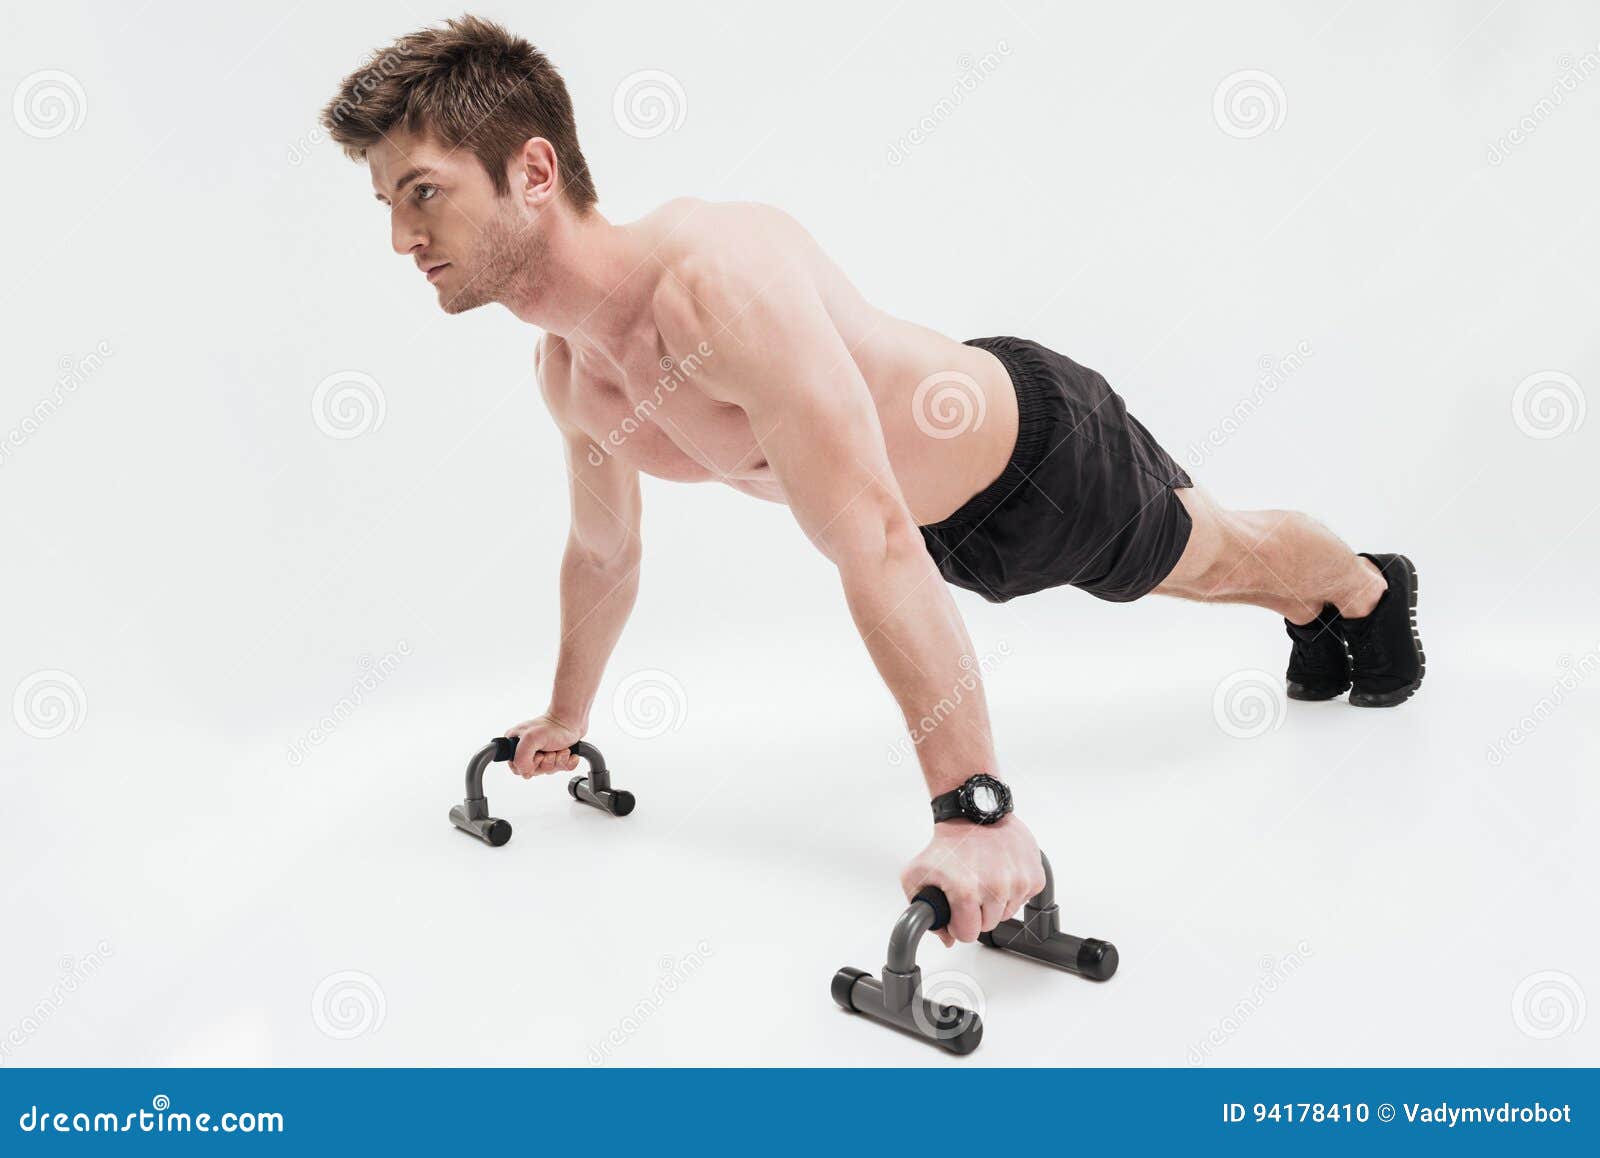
(916, 637)
(596, 599)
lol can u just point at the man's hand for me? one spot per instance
(542, 745)
(986, 870)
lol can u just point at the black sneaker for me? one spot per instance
(1386, 660)
(1319, 667)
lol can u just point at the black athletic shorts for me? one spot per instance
(1087, 498)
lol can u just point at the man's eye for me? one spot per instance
(426, 192)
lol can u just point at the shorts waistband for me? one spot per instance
(1030, 375)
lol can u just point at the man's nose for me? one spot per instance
(405, 235)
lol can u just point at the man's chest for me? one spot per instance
(664, 426)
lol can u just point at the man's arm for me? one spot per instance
(777, 354)
(599, 583)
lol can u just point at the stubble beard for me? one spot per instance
(506, 256)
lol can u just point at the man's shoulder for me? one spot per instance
(691, 234)
(722, 252)
(695, 219)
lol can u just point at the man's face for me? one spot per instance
(469, 242)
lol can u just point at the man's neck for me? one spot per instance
(593, 286)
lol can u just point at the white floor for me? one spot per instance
(1352, 887)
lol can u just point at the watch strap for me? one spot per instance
(947, 806)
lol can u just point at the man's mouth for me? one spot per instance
(435, 271)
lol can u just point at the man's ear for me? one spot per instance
(535, 173)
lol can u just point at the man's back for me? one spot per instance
(946, 409)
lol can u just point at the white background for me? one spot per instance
(212, 572)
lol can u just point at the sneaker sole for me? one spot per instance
(1400, 695)
(1303, 692)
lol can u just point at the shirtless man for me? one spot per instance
(718, 342)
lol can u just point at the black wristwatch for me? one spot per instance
(982, 800)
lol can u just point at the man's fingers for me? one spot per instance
(1035, 884)
(1020, 895)
(530, 762)
(965, 914)
(1017, 903)
(992, 913)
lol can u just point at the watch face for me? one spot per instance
(984, 799)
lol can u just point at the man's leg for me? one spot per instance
(1282, 560)
(1352, 618)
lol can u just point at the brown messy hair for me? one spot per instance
(470, 84)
